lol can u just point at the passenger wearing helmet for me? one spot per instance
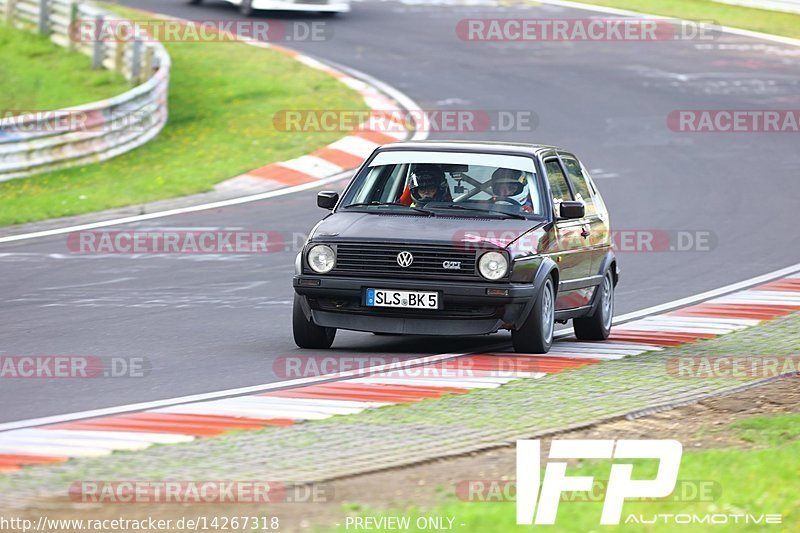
(428, 184)
(511, 184)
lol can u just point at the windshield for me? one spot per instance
(451, 183)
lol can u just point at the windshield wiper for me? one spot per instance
(479, 210)
(396, 204)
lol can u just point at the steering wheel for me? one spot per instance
(507, 200)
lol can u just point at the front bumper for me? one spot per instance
(287, 5)
(466, 308)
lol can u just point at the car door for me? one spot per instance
(599, 240)
(569, 242)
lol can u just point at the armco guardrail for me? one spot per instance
(35, 141)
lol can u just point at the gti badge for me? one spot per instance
(452, 265)
(404, 259)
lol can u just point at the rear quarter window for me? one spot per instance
(583, 190)
(559, 190)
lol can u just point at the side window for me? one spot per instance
(580, 184)
(558, 183)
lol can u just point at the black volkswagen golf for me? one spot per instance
(459, 238)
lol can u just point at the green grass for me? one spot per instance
(36, 74)
(770, 431)
(221, 102)
(755, 481)
(786, 24)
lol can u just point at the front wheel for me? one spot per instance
(536, 333)
(306, 333)
(597, 327)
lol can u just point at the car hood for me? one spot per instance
(441, 230)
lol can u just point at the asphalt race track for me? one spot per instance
(207, 323)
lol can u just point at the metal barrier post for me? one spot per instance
(73, 31)
(136, 59)
(119, 56)
(97, 49)
(10, 4)
(44, 17)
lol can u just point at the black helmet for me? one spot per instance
(426, 177)
(507, 176)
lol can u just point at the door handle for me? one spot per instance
(585, 232)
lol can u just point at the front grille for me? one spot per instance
(380, 260)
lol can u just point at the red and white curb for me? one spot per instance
(345, 154)
(387, 385)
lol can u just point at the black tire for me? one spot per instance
(597, 327)
(306, 333)
(246, 8)
(536, 333)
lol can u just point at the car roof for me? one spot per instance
(472, 146)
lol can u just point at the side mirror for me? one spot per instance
(327, 199)
(572, 209)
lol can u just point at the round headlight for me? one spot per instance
(321, 258)
(493, 265)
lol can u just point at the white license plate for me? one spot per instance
(409, 299)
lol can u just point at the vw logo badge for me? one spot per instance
(404, 259)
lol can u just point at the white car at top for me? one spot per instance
(247, 7)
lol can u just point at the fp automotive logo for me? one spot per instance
(620, 485)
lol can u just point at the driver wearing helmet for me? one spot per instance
(508, 184)
(428, 184)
